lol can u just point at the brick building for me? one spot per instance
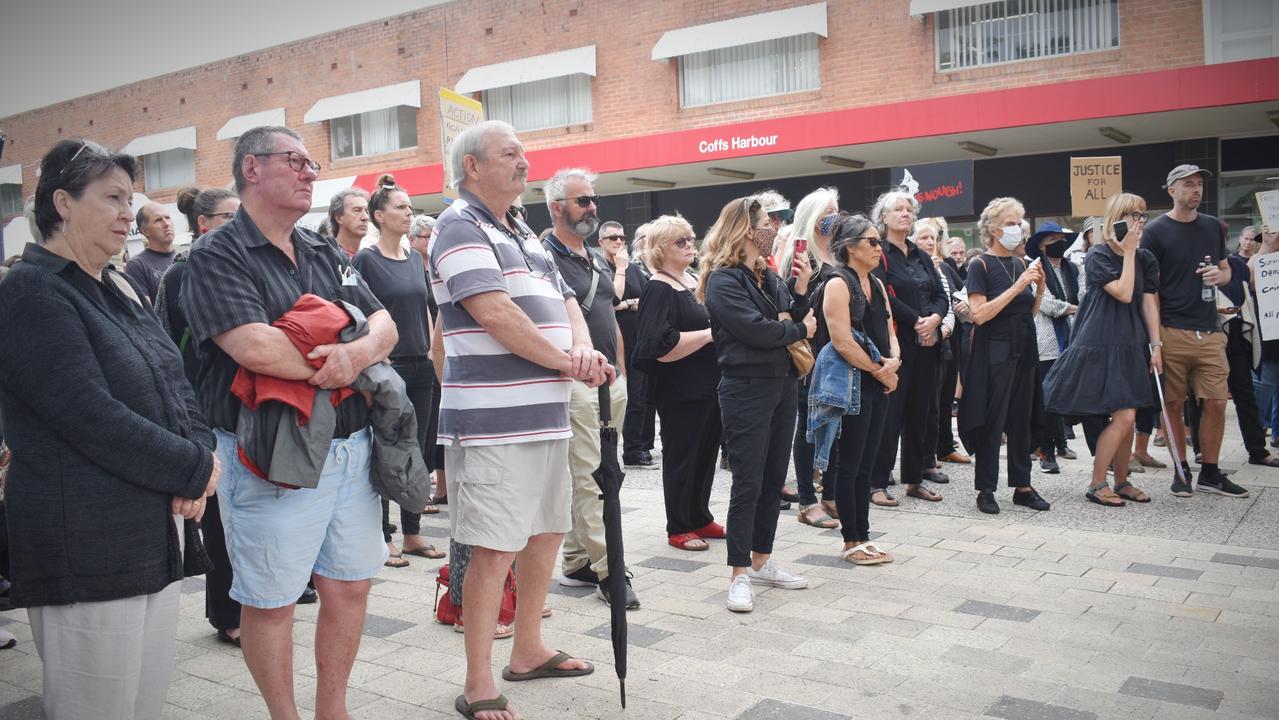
(683, 104)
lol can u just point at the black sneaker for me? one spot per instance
(632, 602)
(308, 597)
(1049, 465)
(644, 462)
(1065, 452)
(581, 577)
(1181, 487)
(1220, 484)
(1031, 499)
(986, 503)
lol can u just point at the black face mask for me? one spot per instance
(1056, 250)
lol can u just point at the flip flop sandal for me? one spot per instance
(1150, 462)
(431, 508)
(888, 501)
(875, 556)
(429, 552)
(1112, 500)
(1136, 495)
(396, 561)
(923, 493)
(468, 710)
(682, 541)
(548, 669)
(823, 521)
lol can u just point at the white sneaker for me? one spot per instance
(741, 596)
(770, 574)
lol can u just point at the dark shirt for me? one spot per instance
(400, 285)
(104, 430)
(147, 267)
(990, 275)
(1180, 247)
(916, 288)
(576, 271)
(237, 277)
(628, 320)
(665, 313)
(749, 339)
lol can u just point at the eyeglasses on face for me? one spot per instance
(296, 160)
(228, 216)
(584, 201)
(614, 237)
(684, 242)
(1138, 216)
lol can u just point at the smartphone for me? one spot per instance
(1121, 230)
(801, 247)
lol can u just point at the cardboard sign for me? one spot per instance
(942, 189)
(1268, 208)
(1267, 277)
(457, 113)
(1093, 181)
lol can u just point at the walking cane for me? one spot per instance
(1172, 443)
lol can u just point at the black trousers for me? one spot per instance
(1239, 380)
(1015, 382)
(907, 418)
(758, 416)
(858, 444)
(419, 381)
(1050, 429)
(946, 396)
(639, 427)
(223, 612)
(691, 433)
(803, 454)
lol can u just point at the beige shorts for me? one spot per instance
(1197, 360)
(501, 495)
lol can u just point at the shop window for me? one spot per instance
(374, 132)
(170, 168)
(10, 199)
(1240, 30)
(1237, 197)
(1016, 30)
(551, 103)
(771, 67)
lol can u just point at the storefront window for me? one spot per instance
(1237, 200)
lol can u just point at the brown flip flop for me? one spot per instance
(548, 669)
(468, 710)
(429, 552)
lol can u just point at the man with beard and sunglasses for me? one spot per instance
(573, 205)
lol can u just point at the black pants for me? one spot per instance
(1239, 380)
(1050, 428)
(907, 418)
(223, 612)
(639, 427)
(803, 453)
(419, 382)
(758, 415)
(946, 396)
(858, 444)
(690, 446)
(433, 453)
(1015, 381)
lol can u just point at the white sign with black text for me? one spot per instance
(1267, 276)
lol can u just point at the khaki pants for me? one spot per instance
(584, 544)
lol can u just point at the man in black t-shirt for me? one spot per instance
(1191, 250)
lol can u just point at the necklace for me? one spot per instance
(1000, 262)
(678, 280)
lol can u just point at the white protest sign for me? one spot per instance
(1268, 208)
(1267, 276)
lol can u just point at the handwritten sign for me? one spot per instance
(457, 113)
(1093, 181)
(1267, 276)
(1268, 208)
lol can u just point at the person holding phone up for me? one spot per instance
(1105, 371)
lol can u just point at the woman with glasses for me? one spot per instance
(433, 453)
(629, 278)
(1104, 375)
(673, 347)
(397, 278)
(753, 320)
(932, 237)
(110, 450)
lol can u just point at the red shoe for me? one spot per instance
(712, 531)
(685, 541)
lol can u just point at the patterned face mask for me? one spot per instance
(763, 239)
(827, 222)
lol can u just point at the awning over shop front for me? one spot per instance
(529, 69)
(388, 96)
(742, 31)
(11, 174)
(240, 124)
(923, 7)
(159, 142)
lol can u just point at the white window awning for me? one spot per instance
(11, 174)
(388, 96)
(323, 190)
(743, 31)
(923, 7)
(529, 69)
(159, 142)
(240, 124)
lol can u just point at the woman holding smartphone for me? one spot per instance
(1105, 372)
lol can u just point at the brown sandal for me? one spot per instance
(888, 500)
(923, 493)
(830, 508)
(823, 520)
(1104, 496)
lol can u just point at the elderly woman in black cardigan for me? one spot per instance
(110, 451)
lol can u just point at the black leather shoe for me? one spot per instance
(1050, 466)
(1030, 499)
(308, 597)
(986, 503)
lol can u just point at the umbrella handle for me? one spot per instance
(606, 406)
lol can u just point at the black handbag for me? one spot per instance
(195, 559)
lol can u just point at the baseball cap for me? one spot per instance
(1184, 171)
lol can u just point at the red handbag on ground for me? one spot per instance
(446, 613)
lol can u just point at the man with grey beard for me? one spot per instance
(572, 202)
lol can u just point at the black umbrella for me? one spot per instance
(609, 477)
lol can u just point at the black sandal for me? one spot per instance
(1113, 500)
(1138, 497)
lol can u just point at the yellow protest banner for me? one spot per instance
(457, 113)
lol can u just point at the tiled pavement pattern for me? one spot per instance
(1165, 611)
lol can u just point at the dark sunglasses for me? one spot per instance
(296, 160)
(517, 210)
(684, 242)
(614, 237)
(873, 242)
(584, 201)
(786, 215)
(92, 147)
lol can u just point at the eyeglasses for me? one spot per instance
(873, 242)
(1139, 216)
(228, 216)
(296, 160)
(584, 201)
(684, 242)
(92, 147)
(614, 237)
(785, 215)
(517, 210)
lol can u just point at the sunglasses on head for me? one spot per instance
(92, 147)
(786, 215)
(584, 201)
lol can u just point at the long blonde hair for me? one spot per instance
(725, 244)
(1118, 206)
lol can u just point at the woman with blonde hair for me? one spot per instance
(673, 348)
(1104, 374)
(753, 320)
(930, 236)
(999, 382)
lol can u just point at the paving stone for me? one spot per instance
(31, 708)
(1261, 562)
(778, 710)
(659, 562)
(1167, 571)
(192, 585)
(575, 592)
(830, 560)
(997, 611)
(381, 627)
(637, 635)
(1173, 692)
(1011, 708)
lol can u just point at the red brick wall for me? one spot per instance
(876, 53)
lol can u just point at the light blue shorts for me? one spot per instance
(277, 537)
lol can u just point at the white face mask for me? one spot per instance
(1011, 237)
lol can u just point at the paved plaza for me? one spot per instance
(1162, 611)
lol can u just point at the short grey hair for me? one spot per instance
(421, 225)
(337, 205)
(610, 224)
(889, 200)
(554, 188)
(257, 141)
(471, 142)
(1244, 230)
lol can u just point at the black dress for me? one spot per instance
(1106, 367)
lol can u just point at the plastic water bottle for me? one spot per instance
(1208, 293)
